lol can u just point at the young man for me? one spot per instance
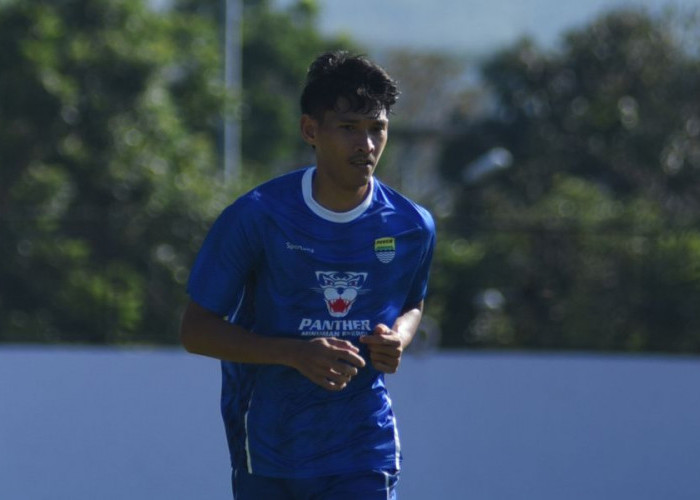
(309, 288)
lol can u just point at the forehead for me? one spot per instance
(345, 115)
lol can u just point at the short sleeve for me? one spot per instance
(226, 259)
(419, 286)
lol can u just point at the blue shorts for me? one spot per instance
(372, 485)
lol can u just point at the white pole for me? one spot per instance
(232, 71)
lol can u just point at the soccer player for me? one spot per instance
(309, 288)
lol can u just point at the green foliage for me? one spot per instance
(110, 123)
(109, 168)
(277, 47)
(110, 120)
(590, 238)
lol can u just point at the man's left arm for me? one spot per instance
(386, 345)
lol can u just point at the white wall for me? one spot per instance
(144, 424)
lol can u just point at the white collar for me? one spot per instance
(324, 213)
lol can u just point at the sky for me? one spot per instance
(464, 26)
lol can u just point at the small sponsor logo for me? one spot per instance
(299, 248)
(385, 249)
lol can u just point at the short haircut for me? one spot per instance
(340, 77)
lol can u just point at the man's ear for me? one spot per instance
(309, 129)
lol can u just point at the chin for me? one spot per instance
(365, 171)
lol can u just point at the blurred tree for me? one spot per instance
(110, 117)
(591, 239)
(277, 47)
(411, 159)
(109, 170)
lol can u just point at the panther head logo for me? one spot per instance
(340, 290)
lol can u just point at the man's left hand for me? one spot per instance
(385, 348)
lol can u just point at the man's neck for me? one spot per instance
(336, 199)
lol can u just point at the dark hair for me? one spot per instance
(336, 77)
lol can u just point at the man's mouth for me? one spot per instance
(361, 162)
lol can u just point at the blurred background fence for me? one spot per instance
(565, 180)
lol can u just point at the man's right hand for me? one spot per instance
(327, 361)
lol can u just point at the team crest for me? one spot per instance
(340, 290)
(385, 249)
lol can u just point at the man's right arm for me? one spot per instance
(328, 362)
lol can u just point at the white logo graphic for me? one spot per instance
(340, 290)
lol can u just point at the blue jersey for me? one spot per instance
(278, 263)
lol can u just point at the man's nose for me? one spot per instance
(365, 143)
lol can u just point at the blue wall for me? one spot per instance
(144, 424)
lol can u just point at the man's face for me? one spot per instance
(348, 145)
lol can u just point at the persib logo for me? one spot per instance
(385, 249)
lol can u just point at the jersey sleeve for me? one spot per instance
(226, 259)
(419, 286)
